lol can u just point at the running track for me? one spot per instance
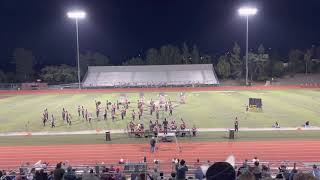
(307, 151)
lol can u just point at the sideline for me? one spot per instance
(120, 131)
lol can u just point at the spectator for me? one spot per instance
(198, 174)
(197, 164)
(86, 170)
(173, 175)
(244, 168)
(135, 174)
(58, 172)
(293, 172)
(50, 176)
(265, 172)
(18, 177)
(256, 170)
(70, 174)
(97, 168)
(156, 164)
(64, 166)
(142, 176)
(30, 176)
(283, 172)
(268, 178)
(181, 170)
(255, 159)
(121, 161)
(112, 169)
(161, 175)
(41, 175)
(118, 175)
(90, 176)
(105, 174)
(155, 174)
(316, 172)
(304, 176)
(246, 176)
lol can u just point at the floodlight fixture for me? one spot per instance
(247, 11)
(76, 14)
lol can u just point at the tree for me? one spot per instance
(3, 77)
(92, 59)
(259, 64)
(205, 59)
(24, 61)
(317, 52)
(296, 61)
(195, 57)
(134, 61)
(316, 59)
(235, 61)
(11, 77)
(185, 56)
(307, 60)
(274, 58)
(277, 69)
(170, 54)
(223, 67)
(59, 74)
(261, 49)
(153, 57)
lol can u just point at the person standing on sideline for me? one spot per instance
(105, 114)
(236, 125)
(79, 111)
(152, 145)
(52, 121)
(82, 111)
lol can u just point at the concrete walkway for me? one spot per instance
(119, 131)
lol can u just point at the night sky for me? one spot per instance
(125, 28)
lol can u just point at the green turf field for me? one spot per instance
(123, 138)
(214, 109)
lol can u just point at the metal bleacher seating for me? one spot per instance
(150, 75)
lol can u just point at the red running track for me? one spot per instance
(14, 156)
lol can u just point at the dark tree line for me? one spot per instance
(170, 54)
(263, 63)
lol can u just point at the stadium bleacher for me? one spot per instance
(150, 75)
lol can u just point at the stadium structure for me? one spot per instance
(150, 76)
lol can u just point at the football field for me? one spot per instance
(204, 109)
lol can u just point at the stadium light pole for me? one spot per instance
(76, 15)
(247, 11)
